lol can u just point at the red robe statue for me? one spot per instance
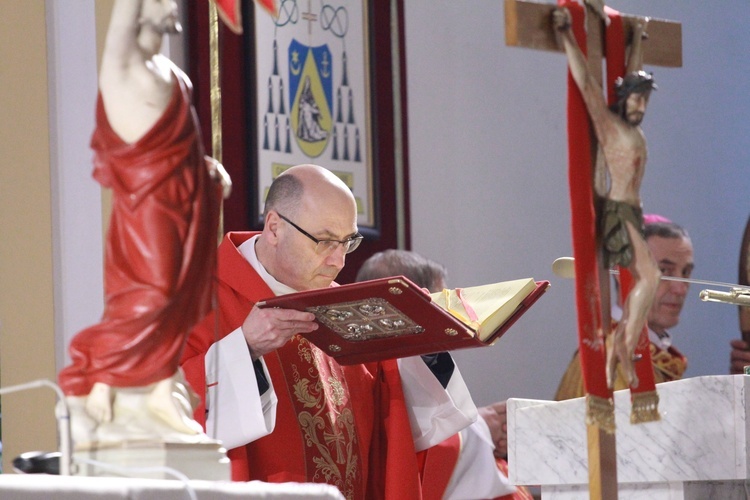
(160, 250)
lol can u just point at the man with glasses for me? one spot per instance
(285, 410)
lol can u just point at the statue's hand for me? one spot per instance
(219, 174)
(561, 19)
(598, 7)
(639, 28)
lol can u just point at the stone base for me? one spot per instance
(148, 459)
(698, 450)
(724, 490)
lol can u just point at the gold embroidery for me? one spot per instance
(305, 351)
(328, 421)
(669, 365)
(303, 395)
(337, 393)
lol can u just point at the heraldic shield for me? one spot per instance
(311, 95)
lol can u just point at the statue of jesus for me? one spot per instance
(161, 243)
(623, 146)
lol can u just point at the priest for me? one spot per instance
(287, 411)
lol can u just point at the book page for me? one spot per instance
(491, 304)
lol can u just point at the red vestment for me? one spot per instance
(160, 250)
(343, 425)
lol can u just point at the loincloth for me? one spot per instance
(616, 240)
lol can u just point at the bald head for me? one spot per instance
(305, 204)
(302, 183)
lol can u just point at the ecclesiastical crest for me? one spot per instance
(313, 94)
(310, 92)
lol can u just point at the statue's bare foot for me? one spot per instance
(99, 402)
(169, 400)
(82, 426)
(618, 353)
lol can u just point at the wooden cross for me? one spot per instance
(529, 24)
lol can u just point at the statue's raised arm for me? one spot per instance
(135, 81)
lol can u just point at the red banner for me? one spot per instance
(231, 13)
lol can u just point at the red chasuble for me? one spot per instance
(346, 426)
(160, 250)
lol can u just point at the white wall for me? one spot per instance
(76, 197)
(488, 169)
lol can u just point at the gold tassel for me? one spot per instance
(645, 407)
(600, 412)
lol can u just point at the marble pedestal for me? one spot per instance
(155, 460)
(698, 450)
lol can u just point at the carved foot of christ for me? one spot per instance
(99, 402)
(621, 352)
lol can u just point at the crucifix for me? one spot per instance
(607, 34)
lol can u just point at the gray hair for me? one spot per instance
(422, 271)
(284, 195)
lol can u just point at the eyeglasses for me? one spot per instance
(326, 247)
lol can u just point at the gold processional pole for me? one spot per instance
(215, 96)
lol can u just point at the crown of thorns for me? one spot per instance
(637, 82)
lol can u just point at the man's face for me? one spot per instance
(302, 266)
(635, 107)
(674, 257)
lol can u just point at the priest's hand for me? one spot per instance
(496, 417)
(267, 329)
(739, 357)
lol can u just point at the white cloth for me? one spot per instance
(238, 414)
(45, 486)
(435, 414)
(476, 474)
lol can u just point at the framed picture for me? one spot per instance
(312, 94)
(320, 84)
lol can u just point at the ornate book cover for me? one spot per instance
(394, 318)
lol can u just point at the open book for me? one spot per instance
(393, 318)
(485, 308)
